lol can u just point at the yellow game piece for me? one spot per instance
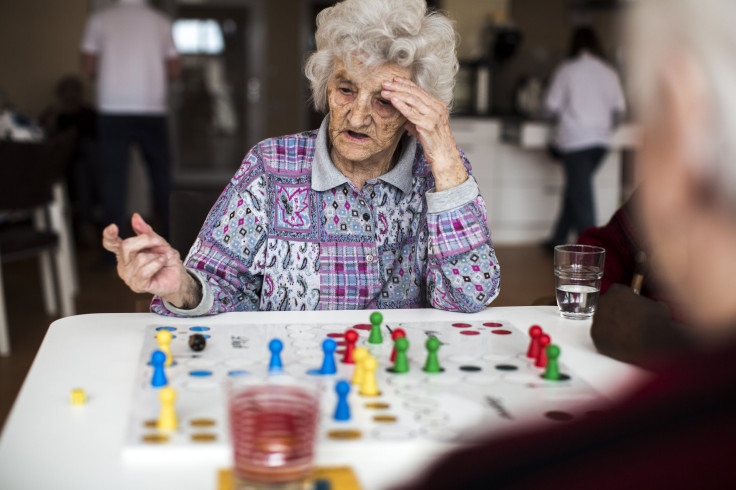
(164, 344)
(369, 386)
(167, 416)
(359, 355)
(79, 397)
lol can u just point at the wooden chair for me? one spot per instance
(31, 186)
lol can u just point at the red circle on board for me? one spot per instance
(363, 326)
(470, 332)
(336, 335)
(461, 325)
(493, 324)
(501, 332)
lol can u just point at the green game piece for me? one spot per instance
(376, 317)
(552, 371)
(376, 337)
(401, 362)
(433, 363)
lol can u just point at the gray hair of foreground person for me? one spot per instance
(683, 74)
(376, 32)
(699, 33)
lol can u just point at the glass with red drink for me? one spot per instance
(273, 427)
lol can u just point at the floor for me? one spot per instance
(526, 273)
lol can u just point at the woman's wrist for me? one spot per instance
(189, 295)
(448, 172)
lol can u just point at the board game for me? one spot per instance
(486, 383)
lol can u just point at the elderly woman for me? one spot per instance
(376, 209)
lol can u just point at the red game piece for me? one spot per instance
(351, 337)
(544, 341)
(534, 332)
(395, 335)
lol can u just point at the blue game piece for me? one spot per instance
(342, 412)
(328, 365)
(158, 359)
(275, 346)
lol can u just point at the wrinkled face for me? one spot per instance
(364, 127)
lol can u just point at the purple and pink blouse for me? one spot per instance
(291, 232)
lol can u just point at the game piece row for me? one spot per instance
(544, 353)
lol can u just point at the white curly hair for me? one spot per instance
(376, 32)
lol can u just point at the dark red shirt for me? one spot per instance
(677, 431)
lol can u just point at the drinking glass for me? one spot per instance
(273, 425)
(578, 273)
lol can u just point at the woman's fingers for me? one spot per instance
(133, 246)
(143, 258)
(146, 271)
(419, 100)
(110, 239)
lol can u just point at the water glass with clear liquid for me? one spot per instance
(578, 273)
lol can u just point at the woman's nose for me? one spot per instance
(360, 114)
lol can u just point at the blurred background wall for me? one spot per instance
(251, 86)
(39, 43)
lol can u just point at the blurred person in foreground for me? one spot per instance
(678, 430)
(636, 320)
(376, 209)
(128, 49)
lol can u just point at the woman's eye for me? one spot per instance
(384, 102)
(345, 90)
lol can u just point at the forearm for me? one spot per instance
(448, 170)
(463, 272)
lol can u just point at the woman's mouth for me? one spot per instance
(354, 135)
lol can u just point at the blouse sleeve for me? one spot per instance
(228, 256)
(463, 273)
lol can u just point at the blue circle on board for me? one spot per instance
(200, 374)
(170, 329)
(205, 336)
(237, 372)
(199, 329)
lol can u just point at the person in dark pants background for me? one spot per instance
(129, 49)
(587, 100)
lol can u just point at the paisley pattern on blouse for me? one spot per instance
(273, 242)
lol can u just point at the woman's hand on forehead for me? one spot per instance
(429, 121)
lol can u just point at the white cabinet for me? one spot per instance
(521, 185)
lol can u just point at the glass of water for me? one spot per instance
(578, 273)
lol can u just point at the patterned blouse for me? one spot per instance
(291, 232)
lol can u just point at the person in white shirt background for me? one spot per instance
(586, 100)
(129, 50)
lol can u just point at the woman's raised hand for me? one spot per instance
(148, 264)
(429, 121)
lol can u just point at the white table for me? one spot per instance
(49, 443)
